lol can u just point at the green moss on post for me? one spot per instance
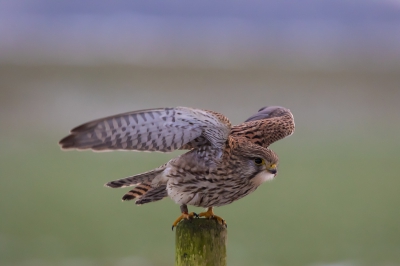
(200, 242)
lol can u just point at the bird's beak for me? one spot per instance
(273, 169)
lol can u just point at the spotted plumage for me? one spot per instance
(224, 163)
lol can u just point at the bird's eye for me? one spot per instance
(258, 161)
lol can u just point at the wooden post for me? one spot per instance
(200, 242)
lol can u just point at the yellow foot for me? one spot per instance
(210, 215)
(186, 216)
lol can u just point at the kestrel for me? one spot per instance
(224, 163)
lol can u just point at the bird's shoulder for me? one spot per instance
(222, 118)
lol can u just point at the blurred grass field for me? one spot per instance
(335, 200)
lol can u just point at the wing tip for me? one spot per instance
(108, 185)
(73, 142)
(113, 184)
(269, 112)
(67, 143)
(85, 126)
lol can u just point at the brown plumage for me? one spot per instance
(224, 163)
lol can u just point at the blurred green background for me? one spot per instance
(335, 200)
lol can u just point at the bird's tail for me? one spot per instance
(143, 192)
(136, 179)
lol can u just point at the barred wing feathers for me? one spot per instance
(268, 125)
(161, 129)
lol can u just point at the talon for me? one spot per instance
(209, 214)
(219, 220)
(224, 223)
(184, 215)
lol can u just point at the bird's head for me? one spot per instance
(258, 164)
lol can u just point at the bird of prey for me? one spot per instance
(224, 162)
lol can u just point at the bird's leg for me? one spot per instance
(185, 215)
(210, 214)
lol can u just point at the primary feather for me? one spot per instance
(161, 129)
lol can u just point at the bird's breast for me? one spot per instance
(207, 190)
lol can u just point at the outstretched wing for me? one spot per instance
(161, 129)
(268, 125)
